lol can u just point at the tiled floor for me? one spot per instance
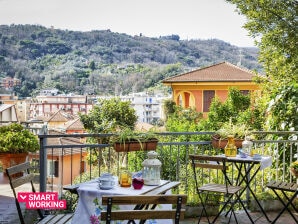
(242, 219)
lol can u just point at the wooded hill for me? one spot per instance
(103, 62)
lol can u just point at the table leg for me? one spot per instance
(247, 179)
(239, 176)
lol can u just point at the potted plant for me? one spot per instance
(15, 144)
(220, 138)
(128, 139)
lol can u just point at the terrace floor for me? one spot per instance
(8, 211)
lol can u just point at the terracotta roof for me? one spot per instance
(59, 116)
(222, 72)
(75, 141)
(74, 125)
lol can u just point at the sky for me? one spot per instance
(190, 19)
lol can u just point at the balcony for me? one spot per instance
(71, 158)
(65, 159)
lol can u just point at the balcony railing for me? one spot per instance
(69, 156)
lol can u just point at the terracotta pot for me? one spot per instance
(294, 172)
(136, 146)
(219, 143)
(9, 159)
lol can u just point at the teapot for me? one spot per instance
(106, 181)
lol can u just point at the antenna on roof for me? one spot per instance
(240, 57)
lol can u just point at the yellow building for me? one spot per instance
(197, 88)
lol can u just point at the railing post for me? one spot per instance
(43, 160)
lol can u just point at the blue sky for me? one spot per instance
(190, 19)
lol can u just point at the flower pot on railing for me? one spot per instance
(11, 159)
(294, 172)
(134, 145)
(219, 143)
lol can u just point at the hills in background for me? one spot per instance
(103, 62)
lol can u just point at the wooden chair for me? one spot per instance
(148, 212)
(27, 177)
(284, 188)
(202, 167)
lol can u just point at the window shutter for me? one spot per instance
(56, 168)
(208, 97)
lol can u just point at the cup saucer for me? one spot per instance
(106, 187)
(257, 157)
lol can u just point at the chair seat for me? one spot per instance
(220, 188)
(209, 166)
(285, 188)
(280, 185)
(56, 219)
(28, 177)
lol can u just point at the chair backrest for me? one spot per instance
(210, 162)
(16, 181)
(149, 202)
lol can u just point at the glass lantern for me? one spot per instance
(247, 146)
(151, 169)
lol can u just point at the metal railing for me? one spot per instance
(173, 149)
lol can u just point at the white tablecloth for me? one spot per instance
(265, 161)
(90, 190)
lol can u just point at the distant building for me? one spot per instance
(8, 98)
(8, 113)
(9, 82)
(49, 92)
(63, 164)
(196, 89)
(149, 109)
(45, 106)
(22, 108)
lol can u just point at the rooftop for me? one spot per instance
(223, 72)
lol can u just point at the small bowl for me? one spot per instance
(137, 183)
(242, 154)
(257, 156)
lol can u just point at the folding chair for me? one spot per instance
(148, 212)
(284, 187)
(202, 167)
(27, 177)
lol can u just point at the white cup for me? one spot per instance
(105, 183)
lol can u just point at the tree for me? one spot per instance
(222, 112)
(108, 115)
(274, 25)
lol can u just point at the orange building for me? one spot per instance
(63, 164)
(9, 82)
(196, 89)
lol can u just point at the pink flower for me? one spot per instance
(94, 219)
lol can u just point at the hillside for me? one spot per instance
(103, 62)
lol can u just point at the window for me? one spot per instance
(208, 97)
(244, 92)
(180, 100)
(53, 168)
